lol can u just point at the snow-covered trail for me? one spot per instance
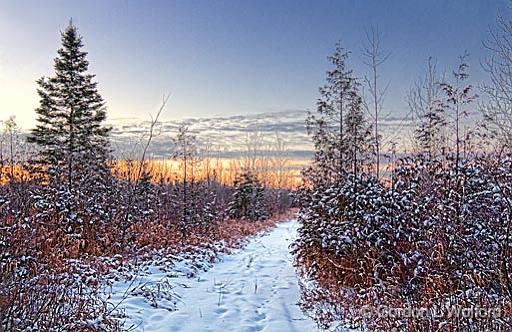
(253, 289)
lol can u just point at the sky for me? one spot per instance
(227, 58)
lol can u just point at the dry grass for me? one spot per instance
(233, 233)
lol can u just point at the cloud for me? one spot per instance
(228, 134)
(223, 133)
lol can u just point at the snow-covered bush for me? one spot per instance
(436, 237)
(51, 302)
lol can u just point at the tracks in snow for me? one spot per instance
(253, 289)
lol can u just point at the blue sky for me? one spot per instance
(222, 58)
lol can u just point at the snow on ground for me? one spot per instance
(253, 289)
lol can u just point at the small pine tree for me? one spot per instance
(187, 154)
(424, 100)
(458, 97)
(259, 209)
(429, 134)
(72, 141)
(248, 200)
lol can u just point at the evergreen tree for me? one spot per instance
(429, 131)
(187, 154)
(72, 141)
(358, 135)
(458, 97)
(425, 102)
(248, 200)
(342, 139)
(337, 118)
(73, 148)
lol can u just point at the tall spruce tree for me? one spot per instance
(342, 138)
(72, 140)
(339, 128)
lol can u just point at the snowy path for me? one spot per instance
(253, 289)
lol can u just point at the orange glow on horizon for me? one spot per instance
(224, 171)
